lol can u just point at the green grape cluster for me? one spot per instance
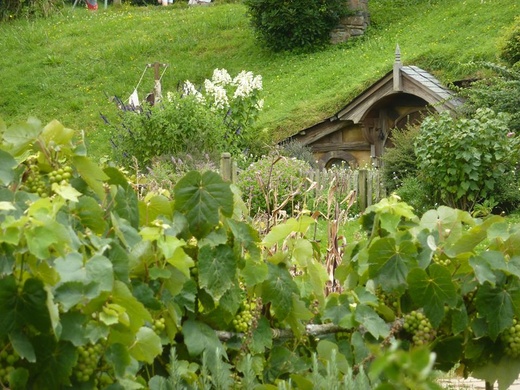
(88, 360)
(8, 360)
(60, 175)
(390, 300)
(437, 259)
(417, 325)
(244, 319)
(511, 337)
(343, 335)
(34, 181)
(159, 325)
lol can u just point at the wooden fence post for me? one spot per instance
(226, 166)
(362, 189)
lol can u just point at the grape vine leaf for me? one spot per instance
(496, 304)
(41, 238)
(278, 289)
(201, 197)
(55, 361)
(22, 345)
(91, 173)
(217, 269)
(199, 337)
(487, 263)
(147, 345)
(20, 137)
(123, 297)
(337, 308)
(505, 371)
(432, 291)
(152, 207)
(90, 213)
(281, 231)
(368, 318)
(262, 336)
(7, 163)
(389, 263)
(173, 251)
(56, 133)
(329, 352)
(117, 355)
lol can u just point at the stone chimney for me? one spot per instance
(353, 25)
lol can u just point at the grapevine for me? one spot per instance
(89, 357)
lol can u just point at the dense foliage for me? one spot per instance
(208, 120)
(510, 49)
(464, 160)
(102, 289)
(14, 9)
(300, 24)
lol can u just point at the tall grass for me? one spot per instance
(66, 66)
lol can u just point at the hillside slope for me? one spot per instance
(67, 66)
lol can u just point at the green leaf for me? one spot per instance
(7, 164)
(201, 198)
(389, 263)
(18, 379)
(125, 231)
(173, 250)
(147, 345)
(55, 363)
(91, 215)
(22, 346)
(505, 371)
(54, 132)
(496, 305)
(329, 352)
(281, 231)
(41, 238)
(21, 137)
(27, 309)
(92, 174)
(336, 308)
(374, 324)
(199, 337)
(153, 207)
(73, 327)
(138, 314)
(117, 356)
(432, 291)
(262, 337)
(278, 289)
(217, 269)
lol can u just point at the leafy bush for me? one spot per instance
(464, 160)
(499, 91)
(14, 9)
(176, 126)
(510, 48)
(414, 192)
(272, 180)
(400, 161)
(193, 121)
(297, 24)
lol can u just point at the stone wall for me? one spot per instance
(352, 25)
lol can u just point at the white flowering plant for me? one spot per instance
(239, 101)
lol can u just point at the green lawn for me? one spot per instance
(67, 66)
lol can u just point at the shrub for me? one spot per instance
(510, 48)
(400, 161)
(414, 192)
(287, 25)
(499, 91)
(464, 160)
(177, 126)
(14, 9)
(270, 181)
(195, 121)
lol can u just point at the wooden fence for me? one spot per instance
(367, 183)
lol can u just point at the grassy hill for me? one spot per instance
(65, 67)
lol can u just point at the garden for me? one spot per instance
(149, 267)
